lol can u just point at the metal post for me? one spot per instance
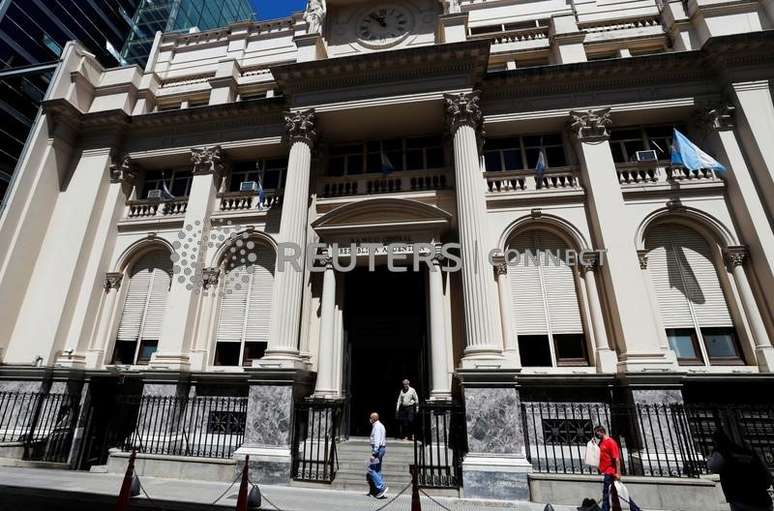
(416, 504)
(127, 488)
(242, 498)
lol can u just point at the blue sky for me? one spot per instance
(270, 9)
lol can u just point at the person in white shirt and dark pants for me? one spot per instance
(378, 441)
(406, 410)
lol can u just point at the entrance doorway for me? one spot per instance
(386, 332)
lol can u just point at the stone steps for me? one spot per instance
(353, 456)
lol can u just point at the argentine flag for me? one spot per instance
(387, 166)
(687, 154)
(540, 168)
(164, 189)
(261, 192)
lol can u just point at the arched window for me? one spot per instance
(546, 309)
(245, 307)
(690, 298)
(144, 307)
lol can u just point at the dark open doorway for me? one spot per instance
(386, 326)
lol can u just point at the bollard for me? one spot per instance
(242, 499)
(416, 504)
(130, 486)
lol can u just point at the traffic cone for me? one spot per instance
(416, 504)
(131, 485)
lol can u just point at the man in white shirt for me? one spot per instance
(406, 410)
(378, 441)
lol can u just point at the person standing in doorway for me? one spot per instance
(744, 477)
(609, 467)
(378, 441)
(406, 410)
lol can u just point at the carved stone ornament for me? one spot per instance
(588, 261)
(113, 280)
(122, 170)
(715, 116)
(210, 277)
(642, 255)
(591, 124)
(463, 109)
(314, 15)
(451, 6)
(301, 126)
(735, 256)
(207, 160)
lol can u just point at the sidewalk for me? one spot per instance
(29, 489)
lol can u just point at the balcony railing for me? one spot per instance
(371, 184)
(638, 174)
(518, 181)
(147, 208)
(246, 201)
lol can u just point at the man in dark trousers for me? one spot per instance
(609, 467)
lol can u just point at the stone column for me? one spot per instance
(633, 317)
(764, 352)
(717, 122)
(96, 356)
(510, 332)
(205, 321)
(326, 361)
(177, 329)
(605, 358)
(483, 346)
(439, 357)
(289, 280)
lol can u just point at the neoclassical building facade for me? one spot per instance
(151, 231)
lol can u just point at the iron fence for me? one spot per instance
(42, 424)
(317, 424)
(201, 426)
(655, 440)
(440, 444)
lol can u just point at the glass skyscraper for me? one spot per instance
(177, 15)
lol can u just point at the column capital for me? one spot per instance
(590, 125)
(642, 255)
(463, 109)
(301, 126)
(123, 169)
(113, 280)
(207, 160)
(715, 116)
(500, 265)
(210, 277)
(588, 261)
(735, 255)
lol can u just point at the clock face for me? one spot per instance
(384, 26)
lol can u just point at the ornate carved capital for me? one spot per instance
(113, 280)
(207, 160)
(123, 170)
(591, 125)
(715, 116)
(301, 126)
(642, 255)
(735, 256)
(463, 109)
(210, 277)
(588, 261)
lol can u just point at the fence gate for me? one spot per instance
(440, 444)
(316, 427)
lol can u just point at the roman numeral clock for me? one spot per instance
(384, 26)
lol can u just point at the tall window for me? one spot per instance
(546, 309)
(422, 153)
(691, 301)
(626, 142)
(517, 153)
(143, 310)
(246, 303)
(271, 173)
(177, 181)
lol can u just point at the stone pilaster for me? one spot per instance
(325, 386)
(508, 322)
(605, 358)
(633, 317)
(439, 356)
(283, 350)
(483, 345)
(764, 352)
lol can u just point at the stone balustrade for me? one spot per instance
(631, 174)
(371, 184)
(240, 201)
(153, 208)
(607, 26)
(558, 179)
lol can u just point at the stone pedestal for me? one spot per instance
(496, 466)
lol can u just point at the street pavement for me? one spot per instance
(33, 489)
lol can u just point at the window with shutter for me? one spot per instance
(690, 297)
(245, 309)
(546, 309)
(144, 307)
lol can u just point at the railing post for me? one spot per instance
(416, 504)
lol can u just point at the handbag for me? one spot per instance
(591, 458)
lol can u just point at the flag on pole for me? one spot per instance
(687, 154)
(164, 189)
(387, 166)
(540, 168)
(261, 192)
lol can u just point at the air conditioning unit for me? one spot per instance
(649, 155)
(154, 194)
(248, 186)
